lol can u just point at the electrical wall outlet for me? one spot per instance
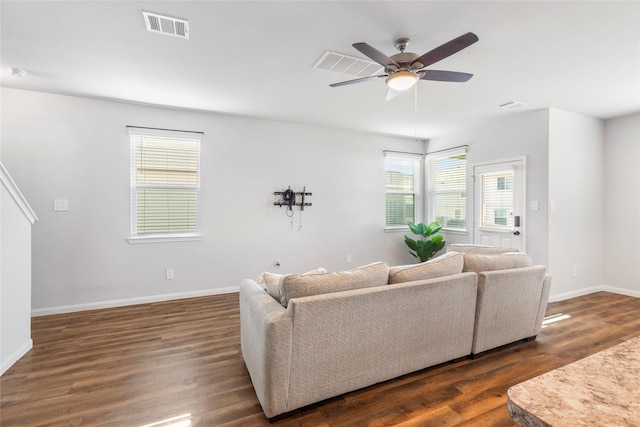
(348, 257)
(170, 274)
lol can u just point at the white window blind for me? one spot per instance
(447, 177)
(402, 188)
(165, 183)
(498, 199)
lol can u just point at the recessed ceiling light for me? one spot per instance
(17, 72)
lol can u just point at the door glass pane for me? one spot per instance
(497, 199)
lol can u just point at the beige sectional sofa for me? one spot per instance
(318, 335)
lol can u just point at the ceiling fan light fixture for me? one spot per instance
(402, 80)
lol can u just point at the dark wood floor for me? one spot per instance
(180, 361)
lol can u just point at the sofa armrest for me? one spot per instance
(508, 306)
(544, 300)
(265, 337)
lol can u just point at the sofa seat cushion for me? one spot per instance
(271, 281)
(444, 265)
(297, 286)
(478, 263)
(478, 249)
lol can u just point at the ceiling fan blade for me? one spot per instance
(445, 76)
(375, 54)
(363, 79)
(445, 50)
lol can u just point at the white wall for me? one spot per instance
(75, 148)
(514, 135)
(576, 176)
(78, 149)
(622, 204)
(16, 218)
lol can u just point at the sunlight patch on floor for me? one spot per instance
(179, 421)
(554, 318)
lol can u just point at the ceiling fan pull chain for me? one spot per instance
(415, 114)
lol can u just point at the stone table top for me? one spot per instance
(599, 390)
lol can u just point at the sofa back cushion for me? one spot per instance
(478, 249)
(271, 281)
(444, 265)
(482, 262)
(295, 286)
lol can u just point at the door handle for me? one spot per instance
(516, 233)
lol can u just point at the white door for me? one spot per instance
(498, 204)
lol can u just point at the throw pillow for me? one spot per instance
(444, 265)
(271, 281)
(481, 262)
(294, 286)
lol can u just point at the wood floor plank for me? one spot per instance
(138, 365)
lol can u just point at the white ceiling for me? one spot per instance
(255, 58)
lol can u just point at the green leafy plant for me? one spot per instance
(426, 247)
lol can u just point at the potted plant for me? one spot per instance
(426, 247)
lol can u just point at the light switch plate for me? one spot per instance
(535, 205)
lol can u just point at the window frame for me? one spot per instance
(418, 198)
(430, 165)
(134, 237)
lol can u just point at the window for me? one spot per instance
(497, 199)
(500, 216)
(447, 178)
(165, 184)
(402, 172)
(505, 182)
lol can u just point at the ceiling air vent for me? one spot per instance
(166, 25)
(511, 104)
(345, 64)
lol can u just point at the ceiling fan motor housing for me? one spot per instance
(404, 60)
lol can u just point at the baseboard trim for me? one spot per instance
(622, 291)
(6, 364)
(594, 289)
(130, 301)
(206, 292)
(572, 294)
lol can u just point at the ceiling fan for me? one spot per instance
(404, 69)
